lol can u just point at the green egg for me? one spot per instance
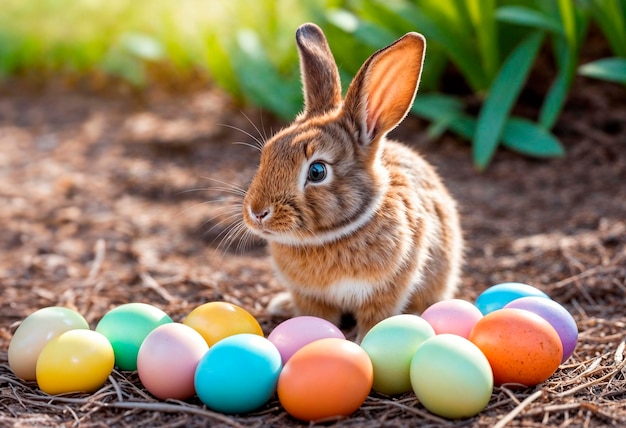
(451, 377)
(390, 345)
(126, 327)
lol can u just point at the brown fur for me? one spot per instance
(381, 235)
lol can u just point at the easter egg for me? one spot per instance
(497, 296)
(75, 361)
(390, 345)
(238, 374)
(126, 327)
(35, 332)
(451, 377)
(324, 379)
(217, 320)
(453, 316)
(294, 333)
(556, 315)
(167, 360)
(522, 348)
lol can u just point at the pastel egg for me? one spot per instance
(325, 379)
(238, 374)
(451, 377)
(127, 326)
(453, 316)
(75, 361)
(294, 333)
(556, 315)
(497, 296)
(35, 332)
(217, 320)
(390, 345)
(167, 361)
(522, 348)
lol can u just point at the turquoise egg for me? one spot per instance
(238, 374)
(498, 296)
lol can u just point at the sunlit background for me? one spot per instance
(246, 47)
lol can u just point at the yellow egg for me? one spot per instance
(35, 332)
(218, 320)
(76, 361)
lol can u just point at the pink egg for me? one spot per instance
(453, 316)
(291, 335)
(167, 360)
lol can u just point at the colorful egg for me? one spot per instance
(451, 377)
(238, 374)
(35, 332)
(167, 361)
(390, 345)
(453, 316)
(522, 348)
(127, 326)
(217, 320)
(294, 333)
(556, 315)
(75, 361)
(498, 296)
(325, 379)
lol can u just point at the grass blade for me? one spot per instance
(529, 139)
(502, 95)
(610, 69)
(521, 15)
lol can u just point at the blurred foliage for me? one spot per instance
(247, 48)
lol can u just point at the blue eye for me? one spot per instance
(317, 172)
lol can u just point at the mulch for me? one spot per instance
(109, 197)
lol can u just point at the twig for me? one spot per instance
(173, 408)
(413, 410)
(517, 410)
(593, 382)
(151, 283)
(100, 249)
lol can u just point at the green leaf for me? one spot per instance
(568, 19)
(610, 69)
(372, 35)
(521, 15)
(433, 106)
(482, 14)
(142, 46)
(529, 139)
(502, 95)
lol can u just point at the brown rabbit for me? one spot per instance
(356, 224)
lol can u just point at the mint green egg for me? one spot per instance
(451, 377)
(127, 326)
(391, 345)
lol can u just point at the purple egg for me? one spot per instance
(556, 315)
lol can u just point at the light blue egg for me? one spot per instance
(498, 296)
(238, 374)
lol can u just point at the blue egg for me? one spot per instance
(238, 374)
(498, 296)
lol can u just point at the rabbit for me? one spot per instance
(355, 223)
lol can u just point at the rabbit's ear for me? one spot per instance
(320, 77)
(383, 90)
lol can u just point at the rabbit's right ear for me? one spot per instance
(320, 77)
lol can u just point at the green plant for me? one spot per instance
(494, 47)
(610, 16)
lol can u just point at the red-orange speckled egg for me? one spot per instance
(521, 347)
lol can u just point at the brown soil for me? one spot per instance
(108, 199)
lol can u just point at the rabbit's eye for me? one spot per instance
(317, 172)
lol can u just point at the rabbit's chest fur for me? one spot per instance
(390, 250)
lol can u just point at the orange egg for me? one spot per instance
(521, 347)
(326, 378)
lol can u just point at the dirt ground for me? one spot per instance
(108, 198)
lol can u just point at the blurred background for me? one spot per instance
(497, 72)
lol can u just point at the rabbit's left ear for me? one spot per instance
(320, 76)
(383, 90)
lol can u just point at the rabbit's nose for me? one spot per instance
(261, 215)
